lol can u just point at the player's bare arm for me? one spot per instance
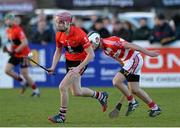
(56, 57)
(138, 48)
(23, 44)
(90, 56)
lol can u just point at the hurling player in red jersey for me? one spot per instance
(78, 53)
(129, 54)
(19, 50)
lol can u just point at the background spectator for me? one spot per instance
(78, 22)
(162, 32)
(120, 30)
(142, 33)
(128, 27)
(176, 19)
(107, 24)
(42, 35)
(99, 27)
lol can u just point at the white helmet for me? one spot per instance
(94, 38)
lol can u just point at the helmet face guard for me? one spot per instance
(95, 39)
(63, 21)
(9, 16)
(9, 19)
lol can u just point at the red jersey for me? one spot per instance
(15, 35)
(114, 47)
(74, 43)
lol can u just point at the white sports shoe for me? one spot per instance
(36, 93)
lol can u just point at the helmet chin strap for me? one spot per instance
(97, 47)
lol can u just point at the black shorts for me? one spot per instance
(129, 76)
(24, 62)
(70, 64)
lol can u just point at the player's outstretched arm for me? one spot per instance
(56, 57)
(145, 51)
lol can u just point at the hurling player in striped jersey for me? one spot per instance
(129, 54)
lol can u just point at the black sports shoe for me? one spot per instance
(35, 94)
(131, 107)
(103, 101)
(56, 119)
(154, 113)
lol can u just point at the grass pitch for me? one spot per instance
(16, 110)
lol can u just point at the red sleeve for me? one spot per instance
(84, 39)
(20, 33)
(58, 43)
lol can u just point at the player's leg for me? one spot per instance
(64, 86)
(118, 82)
(9, 71)
(13, 61)
(115, 112)
(77, 90)
(30, 82)
(134, 80)
(101, 96)
(139, 92)
(25, 73)
(154, 109)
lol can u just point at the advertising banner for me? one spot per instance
(117, 3)
(17, 5)
(161, 71)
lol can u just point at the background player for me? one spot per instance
(19, 50)
(79, 53)
(121, 50)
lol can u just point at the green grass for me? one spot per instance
(25, 111)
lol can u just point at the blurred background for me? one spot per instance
(153, 24)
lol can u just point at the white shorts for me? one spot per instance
(134, 64)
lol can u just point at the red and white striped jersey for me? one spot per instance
(114, 47)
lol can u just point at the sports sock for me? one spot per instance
(131, 99)
(98, 95)
(153, 106)
(62, 112)
(34, 86)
